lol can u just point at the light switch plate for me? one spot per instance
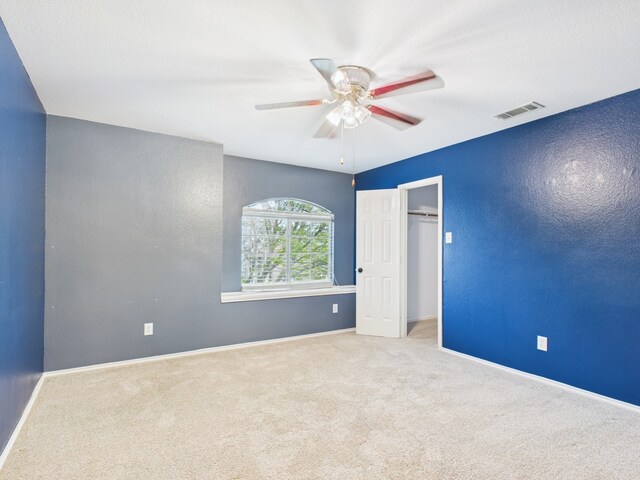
(542, 343)
(335, 308)
(448, 237)
(148, 328)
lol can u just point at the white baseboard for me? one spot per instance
(423, 319)
(23, 419)
(36, 390)
(201, 351)
(530, 376)
(548, 381)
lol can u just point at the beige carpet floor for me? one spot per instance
(334, 407)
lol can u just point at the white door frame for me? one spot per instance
(404, 225)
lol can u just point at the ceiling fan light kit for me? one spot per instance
(349, 89)
(351, 114)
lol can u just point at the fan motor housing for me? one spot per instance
(358, 79)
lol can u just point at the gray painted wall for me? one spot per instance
(134, 234)
(422, 255)
(423, 198)
(247, 181)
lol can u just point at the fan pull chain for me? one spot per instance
(353, 161)
(342, 143)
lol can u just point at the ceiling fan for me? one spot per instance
(349, 88)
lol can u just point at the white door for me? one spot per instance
(378, 263)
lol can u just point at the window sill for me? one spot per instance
(230, 297)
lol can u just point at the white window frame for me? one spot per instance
(325, 216)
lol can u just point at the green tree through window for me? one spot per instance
(286, 243)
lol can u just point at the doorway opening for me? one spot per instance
(421, 254)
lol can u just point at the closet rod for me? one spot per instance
(424, 214)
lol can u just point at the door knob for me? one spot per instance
(360, 270)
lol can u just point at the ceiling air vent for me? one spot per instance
(529, 107)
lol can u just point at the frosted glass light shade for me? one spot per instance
(362, 114)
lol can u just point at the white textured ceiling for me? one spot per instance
(195, 68)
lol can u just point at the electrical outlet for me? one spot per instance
(148, 328)
(542, 343)
(448, 237)
(335, 308)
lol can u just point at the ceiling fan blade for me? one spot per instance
(330, 125)
(326, 130)
(327, 69)
(301, 103)
(395, 119)
(417, 83)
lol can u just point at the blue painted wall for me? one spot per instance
(546, 227)
(22, 187)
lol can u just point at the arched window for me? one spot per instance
(286, 243)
